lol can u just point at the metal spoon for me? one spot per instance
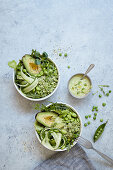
(88, 70)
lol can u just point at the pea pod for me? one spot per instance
(99, 131)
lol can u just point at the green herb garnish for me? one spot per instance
(12, 64)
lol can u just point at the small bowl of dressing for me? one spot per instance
(79, 88)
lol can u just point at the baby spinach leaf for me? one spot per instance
(44, 54)
(37, 61)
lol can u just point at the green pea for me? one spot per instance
(103, 104)
(109, 91)
(93, 110)
(88, 122)
(107, 94)
(60, 54)
(97, 109)
(56, 130)
(93, 107)
(69, 116)
(37, 88)
(89, 116)
(72, 140)
(63, 131)
(95, 137)
(85, 124)
(33, 90)
(86, 117)
(65, 118)
(63, 147)
(101, 120)
(94, 117)
(100, 95)
(24, 70)
(68, 67)
(95, 114)
(85, 84)
(73, 114)
(65, 54)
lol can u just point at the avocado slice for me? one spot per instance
(38, 126)
(46, 118)
(31, 67)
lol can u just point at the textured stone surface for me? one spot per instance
(83, 29)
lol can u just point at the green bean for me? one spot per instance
(99, 131)
(103, 85)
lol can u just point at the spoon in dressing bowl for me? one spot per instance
(88, 70)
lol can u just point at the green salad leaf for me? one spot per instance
(44, 54)
(37, 61)
(12, 64)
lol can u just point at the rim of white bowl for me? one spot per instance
(74, 143)
(43, 98)
(85, 94)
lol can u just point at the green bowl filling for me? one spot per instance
(58, 126)
(35, 75)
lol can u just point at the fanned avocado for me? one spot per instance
(46, 118)
(31, 67)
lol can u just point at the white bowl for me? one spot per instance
(40, 99)
(74, 143)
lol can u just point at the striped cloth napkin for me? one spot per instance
(75, 159)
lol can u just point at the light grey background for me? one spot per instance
(83, 29)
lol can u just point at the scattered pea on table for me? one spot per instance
(88, 122)
(86, 117)
(65, 54)
(107, 94)
(94, 117)
(95, 114)
(85, 124)
(100, 95)
(103, 104)
(60, 54)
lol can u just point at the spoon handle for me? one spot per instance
(88, 70)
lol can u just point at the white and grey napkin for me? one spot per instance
(75, 159)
